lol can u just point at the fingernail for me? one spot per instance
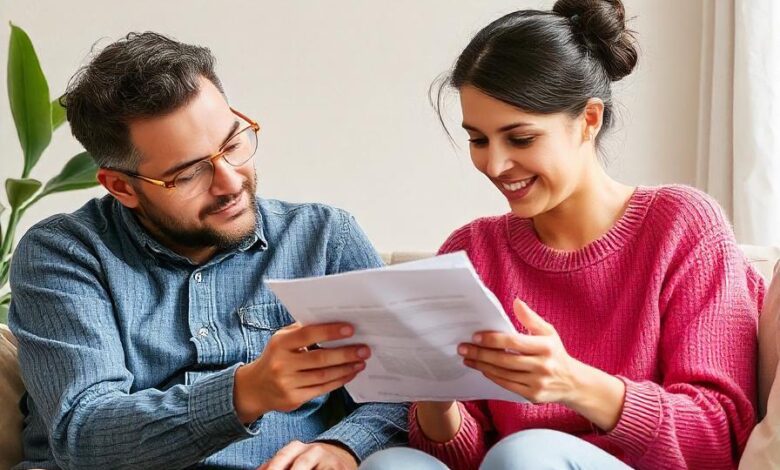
(359, 366)
(346, 330)
(363, 352)
(463, 350)
(477, 338)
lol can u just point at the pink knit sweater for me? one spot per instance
(665, 301)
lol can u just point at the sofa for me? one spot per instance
(763, 259)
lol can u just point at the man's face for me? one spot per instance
(223, 215)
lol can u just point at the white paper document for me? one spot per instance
(412, 316)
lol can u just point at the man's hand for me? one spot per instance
(315, 456)
(287, 374)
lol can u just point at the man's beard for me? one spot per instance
(173, 231)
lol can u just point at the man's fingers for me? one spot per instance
(311, 378)
(292, 326)
(285, 457)
(322, 389)
(322, 358)
(295, 339)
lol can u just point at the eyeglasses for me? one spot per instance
(196, 178)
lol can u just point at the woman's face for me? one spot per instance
(536, 160)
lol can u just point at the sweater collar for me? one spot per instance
(524, 240)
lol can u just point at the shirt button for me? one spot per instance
(203, 332)
(198, 277)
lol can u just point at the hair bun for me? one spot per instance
(601, 26)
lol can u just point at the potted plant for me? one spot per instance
(36, 117)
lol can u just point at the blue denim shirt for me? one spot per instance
(128, 350)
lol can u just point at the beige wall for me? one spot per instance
(340, 88)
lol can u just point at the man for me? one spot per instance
(147, 337)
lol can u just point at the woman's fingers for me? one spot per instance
(508, 375)
(514, 342)
(500, 358)
(531, 320)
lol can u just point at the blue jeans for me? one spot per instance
(537, 449)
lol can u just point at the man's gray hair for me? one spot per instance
(141, 75)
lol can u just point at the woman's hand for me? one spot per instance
(537, 367)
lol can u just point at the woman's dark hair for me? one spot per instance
(549, 61)
(139, 76)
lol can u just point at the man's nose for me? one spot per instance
(227, 179)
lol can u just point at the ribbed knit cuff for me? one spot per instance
(359, 439)
(211, 409)
(464, 451)
(640, 421)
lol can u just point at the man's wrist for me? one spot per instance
(246, 400)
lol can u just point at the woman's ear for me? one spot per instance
(118, 185)
(592, 119)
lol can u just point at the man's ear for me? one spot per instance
(119, 186)
(592, 119)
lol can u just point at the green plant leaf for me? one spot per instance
(4, 268)
(5, 305)
(20, 191)
(78, 173)
(28, 93)
(2, 209)
(58, 115)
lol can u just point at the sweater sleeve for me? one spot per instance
(459, 240)
(702, 412)
(468, 447)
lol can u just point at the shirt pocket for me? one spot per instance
(259, 323)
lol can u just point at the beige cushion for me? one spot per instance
(11, 389)
(404, 256)
(763, 258)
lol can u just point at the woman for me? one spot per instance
(636, 312)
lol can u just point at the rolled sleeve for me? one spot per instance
(211, 409)
(370, 428)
